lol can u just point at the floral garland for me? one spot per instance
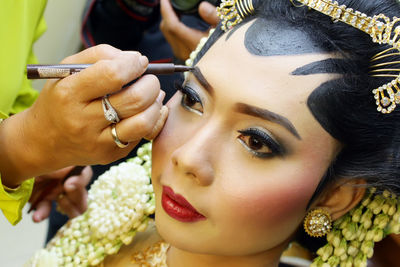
(354, 235)
(119, 204)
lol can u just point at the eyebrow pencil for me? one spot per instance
(34, 71)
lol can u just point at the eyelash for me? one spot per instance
(252, 134)
(264, 139)
(188, 94)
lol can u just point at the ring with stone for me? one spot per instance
(110, 113)
(118, 142)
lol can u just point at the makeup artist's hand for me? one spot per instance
(71, 196)
(66, 125)
(182, 38)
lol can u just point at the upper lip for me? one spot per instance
(178, 199)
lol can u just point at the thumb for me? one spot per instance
(208, 13)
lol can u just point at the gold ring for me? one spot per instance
(115, 136)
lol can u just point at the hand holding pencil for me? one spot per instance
(84, 119)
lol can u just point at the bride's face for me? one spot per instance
(242, 148)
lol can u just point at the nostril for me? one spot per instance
(192, 176)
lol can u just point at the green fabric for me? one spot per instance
(12, 202)
(21, 24)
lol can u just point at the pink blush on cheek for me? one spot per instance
(276, 207)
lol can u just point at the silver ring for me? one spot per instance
(110, 113)
(116, 139)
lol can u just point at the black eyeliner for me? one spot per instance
(267, 140)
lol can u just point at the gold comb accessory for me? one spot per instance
(382, 30)
(232, 12)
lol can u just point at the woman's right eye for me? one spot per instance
(191, 100)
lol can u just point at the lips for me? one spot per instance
(178, 207)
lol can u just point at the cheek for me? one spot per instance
(273, 203)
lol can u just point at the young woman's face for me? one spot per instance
(242, 148)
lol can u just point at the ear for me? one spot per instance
(341, 197)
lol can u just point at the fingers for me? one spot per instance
(67, 207)
(79, 181)
(128, 102)
(133, 129)
(159, 124)
(181, 38)
(92, 55)
(112, 69)
(42, 211)
(170, 22)
(208, 13)
(75, 196)
(167, 12)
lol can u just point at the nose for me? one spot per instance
(194, 158)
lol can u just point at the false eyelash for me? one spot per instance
(187, 91)
(267, 140)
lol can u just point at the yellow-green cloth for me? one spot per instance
(21, 24)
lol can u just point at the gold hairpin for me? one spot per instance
(383, 31)
(232, 12)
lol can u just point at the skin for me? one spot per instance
(54, 133)
(73, 190)
(183, 39)
(252, 205)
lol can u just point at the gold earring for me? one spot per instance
(317, 223)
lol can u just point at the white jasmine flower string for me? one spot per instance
(119, 204)
(352, 240)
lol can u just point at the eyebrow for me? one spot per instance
(248, 109)
(200, 77)
(330, 65)
(267, 115)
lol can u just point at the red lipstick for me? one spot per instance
(178, 207)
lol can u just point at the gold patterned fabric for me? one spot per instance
(153, 256)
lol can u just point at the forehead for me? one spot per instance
(262, 81)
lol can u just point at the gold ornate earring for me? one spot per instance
(317, 223)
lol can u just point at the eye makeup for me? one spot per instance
(260, 143)
(256, 140)
(190, 101)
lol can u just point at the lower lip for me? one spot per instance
(179, 212)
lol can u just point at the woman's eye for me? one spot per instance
(260, 143)
(191, 100)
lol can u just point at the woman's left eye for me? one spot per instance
(260, 143)
(191, 100)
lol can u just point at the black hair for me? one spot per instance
(345, 107)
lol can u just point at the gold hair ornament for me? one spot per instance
(383, 31)
(232, 12)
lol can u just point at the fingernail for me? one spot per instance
(71, 187)
(160, 97)
(37, 218)
(143, 61)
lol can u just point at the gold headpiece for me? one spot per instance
(383, 31)
(232, 12)
(379, 27)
